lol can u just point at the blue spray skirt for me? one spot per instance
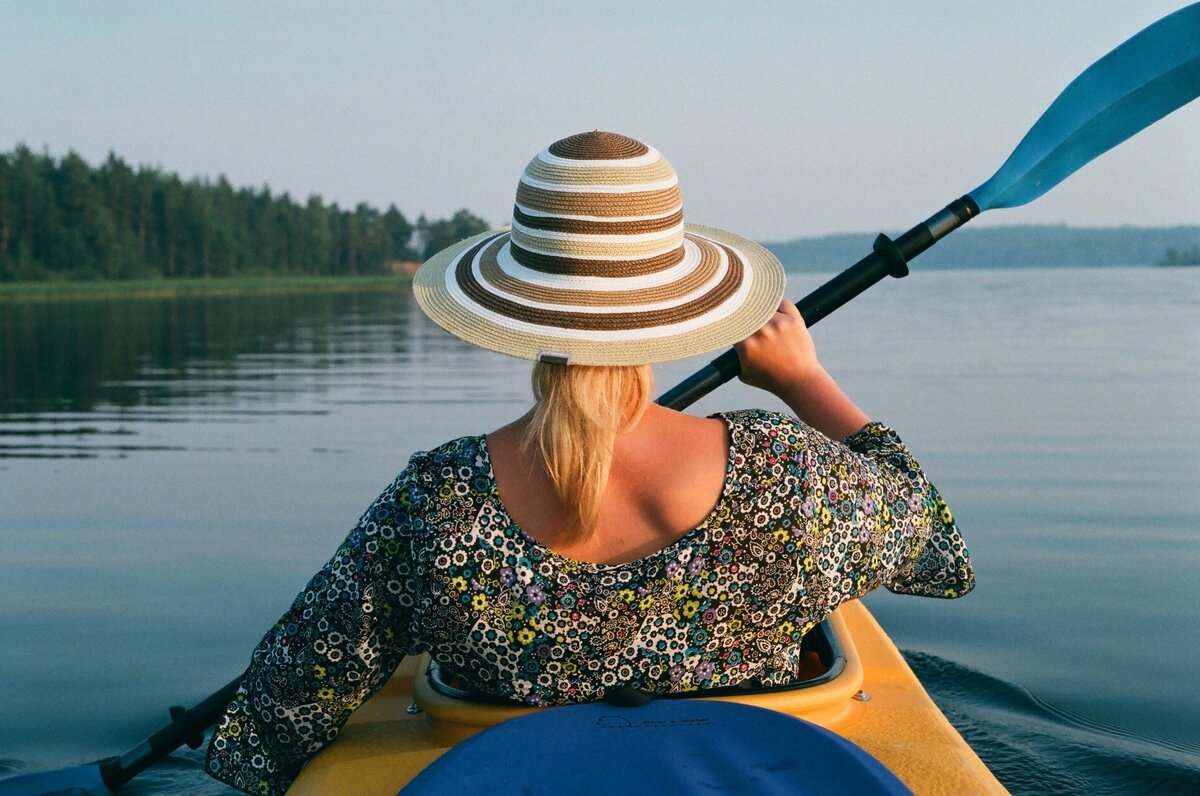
(663, 747)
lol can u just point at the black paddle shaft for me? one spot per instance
(887, 258)
(186, 727)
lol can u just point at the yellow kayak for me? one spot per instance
(871, 697)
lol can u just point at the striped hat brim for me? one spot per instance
(718, 288)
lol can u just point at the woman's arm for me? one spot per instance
(781, 358)
(343, 636)
(905, 537)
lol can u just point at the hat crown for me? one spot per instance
(598, 145)
(598, 204)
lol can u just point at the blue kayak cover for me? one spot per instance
(676, 746)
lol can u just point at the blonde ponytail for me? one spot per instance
(579, 412)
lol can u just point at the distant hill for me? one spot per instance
(1029, 246)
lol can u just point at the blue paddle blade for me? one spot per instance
(77, 781)
(1126, 91)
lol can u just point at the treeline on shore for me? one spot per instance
(64, 219)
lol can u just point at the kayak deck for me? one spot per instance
(384, 746)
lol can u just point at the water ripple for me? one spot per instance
(1035, 747)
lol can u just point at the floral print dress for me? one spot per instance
(436, 565)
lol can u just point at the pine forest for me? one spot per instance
(65, 219)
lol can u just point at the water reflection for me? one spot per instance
(82, 378)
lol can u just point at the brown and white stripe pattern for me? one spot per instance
(595, 199)
(598, 264)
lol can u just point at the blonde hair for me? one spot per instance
(579, 411)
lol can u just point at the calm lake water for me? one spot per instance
(173, 471)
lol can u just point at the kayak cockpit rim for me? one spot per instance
(821, 640)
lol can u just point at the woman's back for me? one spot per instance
(667, 475)
(439, 564)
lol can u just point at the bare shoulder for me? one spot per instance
(670, 445)
(507, 436)
(683, 432)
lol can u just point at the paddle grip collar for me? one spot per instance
(894, 262)
(951, 217)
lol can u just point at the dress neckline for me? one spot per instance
(686, 538)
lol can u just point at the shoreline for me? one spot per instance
(198, 286)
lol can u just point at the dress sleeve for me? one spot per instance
(865, 513)
(339, 642)
(934, 561)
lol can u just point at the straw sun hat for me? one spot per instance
(598, 267)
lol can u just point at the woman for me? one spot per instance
(602, 540)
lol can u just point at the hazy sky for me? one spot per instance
(782, 118)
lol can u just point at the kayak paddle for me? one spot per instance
(107, 776)
(1126, 91)
(1135, 85)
